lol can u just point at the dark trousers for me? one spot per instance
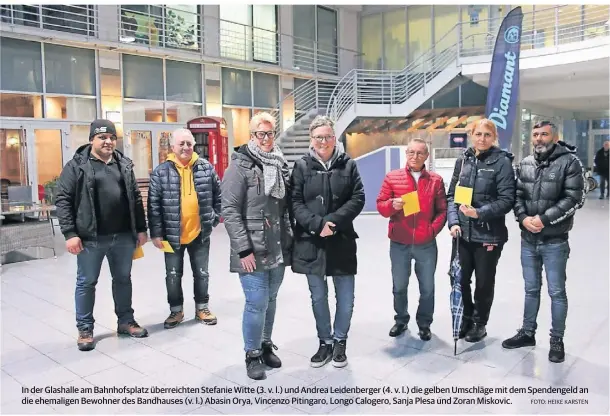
(199, 254)
(480, 260)
(604, 185)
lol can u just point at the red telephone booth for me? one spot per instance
(211, 141)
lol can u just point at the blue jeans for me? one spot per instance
(344, 292)
(554, 257)
(260, 289)
(199, 255)
(119, 249)
(425, 256)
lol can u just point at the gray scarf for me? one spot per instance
(272, 169)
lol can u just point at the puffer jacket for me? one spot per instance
(76, 185)
(164, 200)
(552, 188)
(320, 195)
(256, 223)
(420, 228)
(492, 178)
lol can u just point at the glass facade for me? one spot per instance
(315, 39)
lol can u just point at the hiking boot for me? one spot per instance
(425, 334)
(173, 319)
(339, 357)
(269, 356)
(206, 316)
(464, 328)
(398, 329)
(323, 356)
(85, 340)
(255, 367)
(476, 333)
(522, 339)
(557, 353)
(132, 329)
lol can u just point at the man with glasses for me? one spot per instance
(100, 213)
(412, 231)
(183, 208)
(550, 188)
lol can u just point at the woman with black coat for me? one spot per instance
(480, 226)
(327, 195)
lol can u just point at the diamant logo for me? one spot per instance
(512, 35)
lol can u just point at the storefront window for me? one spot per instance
(20, 105)
(70, 108)
(137, 111)
(21, 65)
(181, 113)
(236, 87)
(142, 77)
(69, 70)
(183, 81)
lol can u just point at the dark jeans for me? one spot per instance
(425, 256)
(344, 292)
(478, 259)
(554, 258)
(118, 249)
(604, 185)
(199, 255)
(260, 290)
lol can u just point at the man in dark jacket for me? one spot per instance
(413, 237)
(602, 167)
(550, 188)
(327, 197)
(100, 214)
(183, 207)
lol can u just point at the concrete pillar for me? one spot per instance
(108, 22)
(211, 30)
(286, 41)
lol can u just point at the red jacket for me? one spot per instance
(424, 226)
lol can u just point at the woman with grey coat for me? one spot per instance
(255, 195)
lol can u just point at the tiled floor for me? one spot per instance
(39, 348)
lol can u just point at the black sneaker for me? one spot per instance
(522, 339)
(323, 356)
(476, 333)
(339, 357)
(85, 340)
(425, 334)
(255, 367)
(269, 356)
(557, 354)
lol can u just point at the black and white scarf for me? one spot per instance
(272, 169)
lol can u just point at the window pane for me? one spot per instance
(475, 28)
(420, 31)
(139, 111)
(371, 42)
(141, 152)
(181, 26)
(181, 113)
(20, 15)
(266, 90)
(445, 18)
(142, 77)
(304, 27)
(141, 24)
(596, 20)
(73, 19)
(236, 32)
(603, 123)
(236, 87)
(183, 81)
(48, 143)
(450, 99)
(264, 33)
(20, 105)
(21, 65)
(213, 104)
(13, 169)
(395, 39)
(69, 70)
(473, 94)
(327, 40)
(70, 108)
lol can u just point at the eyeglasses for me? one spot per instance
(322, 139)
(416, 154)
(260, 135)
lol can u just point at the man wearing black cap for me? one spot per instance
(101, 214)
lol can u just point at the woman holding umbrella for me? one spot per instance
(481, 193)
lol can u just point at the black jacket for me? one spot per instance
(492, 178)
(318, 196)
(553, 189)
(164, 210)
(601, 163)
(75, 196)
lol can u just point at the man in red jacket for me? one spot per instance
(413, 237)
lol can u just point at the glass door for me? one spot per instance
(147, 145)
(14, 167)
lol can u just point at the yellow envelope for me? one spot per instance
(139, 253)
(463, 195)
(411, 205)
(166, 247)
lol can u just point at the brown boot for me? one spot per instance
(206, 316)
(173, 320)
(132, 329)
(85, 340)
